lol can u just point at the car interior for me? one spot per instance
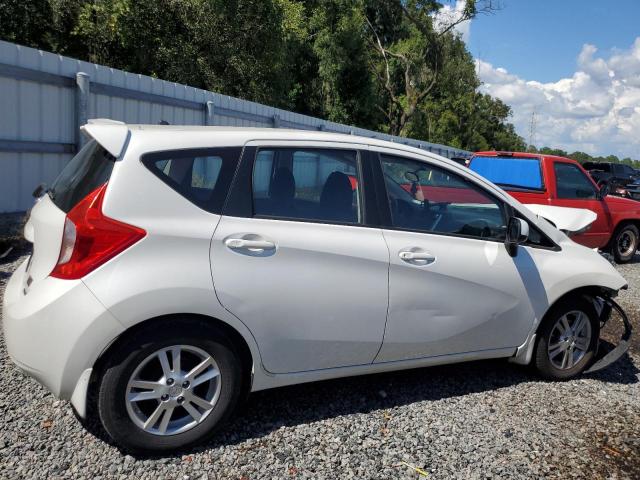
(446, 204)
(314, 185)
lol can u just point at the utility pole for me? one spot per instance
(532, 128)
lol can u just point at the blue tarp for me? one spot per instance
(516, 171)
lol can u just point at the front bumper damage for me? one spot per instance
(605, 356)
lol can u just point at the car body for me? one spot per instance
(257, 247)
(562, 182)
(618, 175)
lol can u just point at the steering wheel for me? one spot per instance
(477, 228)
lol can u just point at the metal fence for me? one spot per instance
(44, 98)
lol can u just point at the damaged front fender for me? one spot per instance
(606, 358)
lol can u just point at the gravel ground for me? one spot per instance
(477, 420)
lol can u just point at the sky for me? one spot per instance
(575, 63)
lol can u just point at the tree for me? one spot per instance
(411, 55)
(235, 47)
(25, 22)
(390, 65)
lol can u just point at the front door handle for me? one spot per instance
(245, 244)
(417, 257)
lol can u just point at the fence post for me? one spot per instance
(83, 84)
(276, 121)
(322, 127)
(208, 114)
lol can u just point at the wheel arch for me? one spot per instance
(590, 291)
(243, 350)
(611, 244)
(619, 225)
(524, 353)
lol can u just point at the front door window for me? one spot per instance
(423, 197)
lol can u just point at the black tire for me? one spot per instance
(541, 361)
(127, 356)
(625, 243)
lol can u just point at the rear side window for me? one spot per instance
(510, 171)
(89, 169)
(202, 176)
(307, 184)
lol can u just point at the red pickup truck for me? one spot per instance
(562, 182)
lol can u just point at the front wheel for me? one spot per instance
(169, 386)
(567, 339)
(625, 243)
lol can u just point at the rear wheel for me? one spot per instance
(169, 386)
(567, 339)
(625, 243)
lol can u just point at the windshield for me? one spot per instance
(85, 172)
(507, 172)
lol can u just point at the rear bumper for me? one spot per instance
(56, 330)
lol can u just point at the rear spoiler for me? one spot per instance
(111, 134)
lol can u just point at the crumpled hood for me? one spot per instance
(564, 218)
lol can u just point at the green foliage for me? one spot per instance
(585, 157)
(318, 57)
(26, 23)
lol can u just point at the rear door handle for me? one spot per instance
(244, 244)
(417, 258)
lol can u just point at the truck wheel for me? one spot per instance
(169, 386)
(567, 339)
(625, 243)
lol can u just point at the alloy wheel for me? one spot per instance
(569, 340)
(627, 243)
(173, 390)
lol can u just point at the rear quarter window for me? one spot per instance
(202, 176)
(89, 169)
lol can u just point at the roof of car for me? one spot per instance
(113, 134)
(262, 133)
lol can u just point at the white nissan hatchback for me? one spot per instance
(175, 269)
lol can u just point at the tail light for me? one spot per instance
(90, 238)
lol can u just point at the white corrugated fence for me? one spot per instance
(45, 97)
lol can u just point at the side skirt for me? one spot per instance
(263, 380)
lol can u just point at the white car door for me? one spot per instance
(453, 287)
(293, 259)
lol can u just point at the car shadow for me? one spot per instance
(269, 410)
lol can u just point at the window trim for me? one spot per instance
(212, 205)
(240, 200)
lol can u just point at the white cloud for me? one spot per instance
(450, 13)
(596, 110)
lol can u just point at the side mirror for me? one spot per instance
(517, 233)
(605, 188)
(411, 177)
